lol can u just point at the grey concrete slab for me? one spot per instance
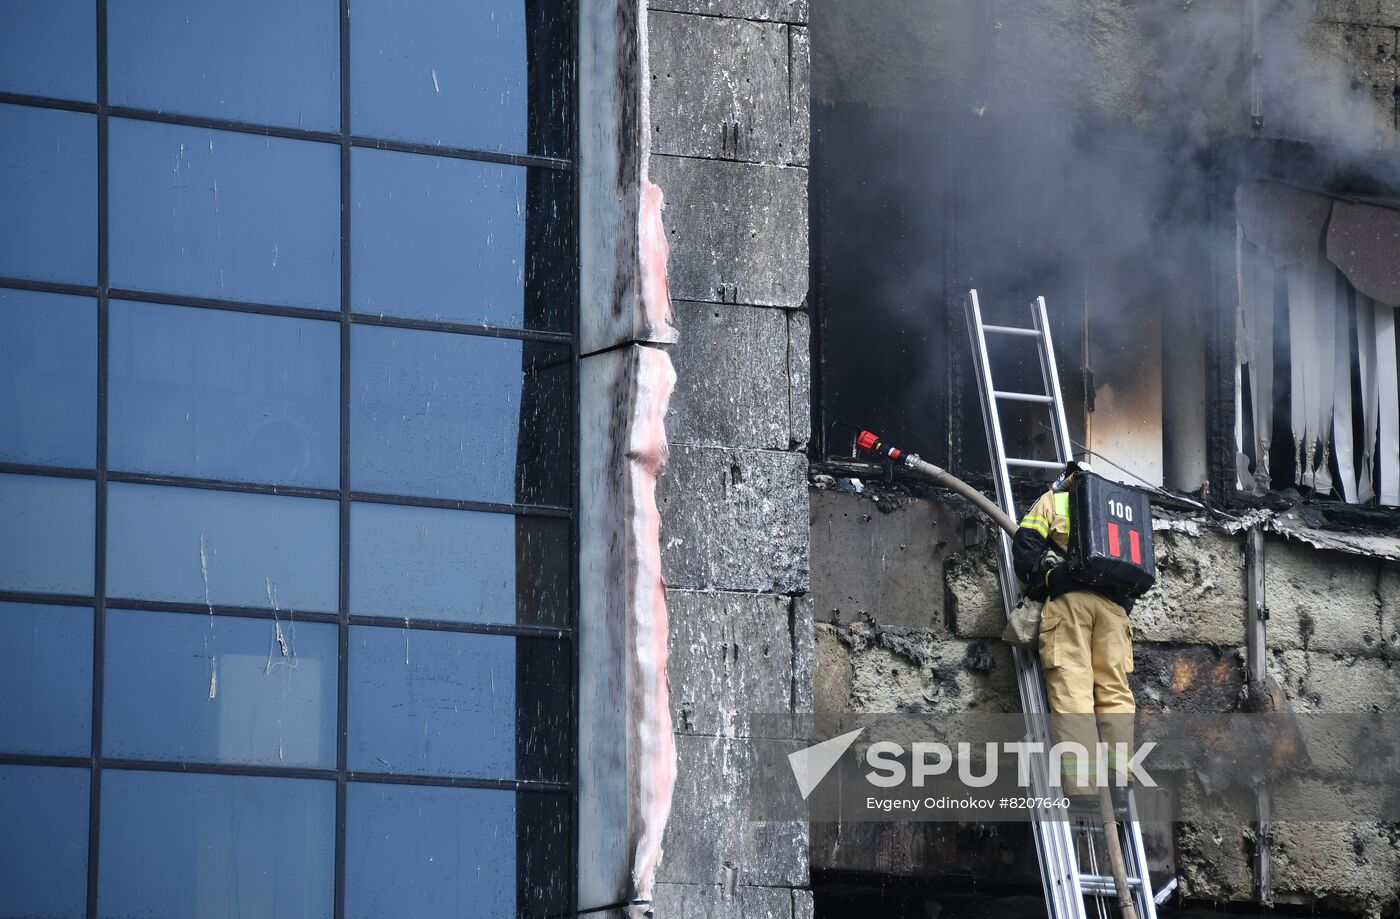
(1325, 681)
(879, 560)
(799, 380)
(1359, 12)
(1321, 601)
(734, 519)
(732, 383)
(731, 657)
(737, 231)
(804, 654)
(779, 10)
(800, 76)
(723, 88)
(710, 839)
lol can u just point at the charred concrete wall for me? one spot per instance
(729, 116)
(922, 637)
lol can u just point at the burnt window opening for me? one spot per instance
(1317, 409)
(931, 176)
(966, 147)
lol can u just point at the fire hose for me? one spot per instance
(869, 442)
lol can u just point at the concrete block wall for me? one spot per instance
(931, 646)
(729, 149)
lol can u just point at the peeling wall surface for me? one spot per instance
(1334, 642)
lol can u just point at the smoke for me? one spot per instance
(1086, 150)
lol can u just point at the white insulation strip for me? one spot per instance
(1389, 405)
(1341, 412)
(1302, 290)
(1256, 336)
(1324, 374)
(1370, 395)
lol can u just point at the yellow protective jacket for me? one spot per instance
(1040, 547)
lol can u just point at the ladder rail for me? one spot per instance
(1054, 844)
(1050, 376)
(1064, 885)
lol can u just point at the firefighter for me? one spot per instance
(1085, 642)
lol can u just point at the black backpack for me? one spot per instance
(1110, 536)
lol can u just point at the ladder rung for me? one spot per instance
(1011, 330)
(1035, 464)
(1101, 883)
(1022, 396)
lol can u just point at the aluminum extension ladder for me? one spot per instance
(1056, 836)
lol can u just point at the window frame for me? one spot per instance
(101, 474)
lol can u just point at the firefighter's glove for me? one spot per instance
(1038, 588)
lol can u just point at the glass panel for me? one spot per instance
(224, 215)
(462, 566)
(459, 416)
(226, 60)
(460, 241)
(48, 373)
(48, 194)
(215, 846)
(419, 852)
(449, 703)
(45, 679)
(197, 546)
(43, 849)
(46, 534)
(49, 49)
(221, 395)
(489, 75)
(229, 690)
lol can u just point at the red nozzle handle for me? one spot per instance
(870, 442)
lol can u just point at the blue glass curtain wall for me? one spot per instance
(288, 400)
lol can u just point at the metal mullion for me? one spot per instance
(291, 312)
(342, 683)
(455, 504)
(221, 124)
(39, 759)
(48, 287)
(64, 105)
(130, 764)
(292, 491)
(463, 153)
(206, 122)
(460, 328)
(471, 628)
(322, 315)
(449, 781)
(215, 303)
(25, 596)
(127, 764)
(253, 488)
(198, 608)
(99, 578)
(56, 472)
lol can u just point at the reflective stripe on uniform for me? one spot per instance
(1062, 504)
(1039, 524)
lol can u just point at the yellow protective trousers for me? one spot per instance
(1086, 650)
